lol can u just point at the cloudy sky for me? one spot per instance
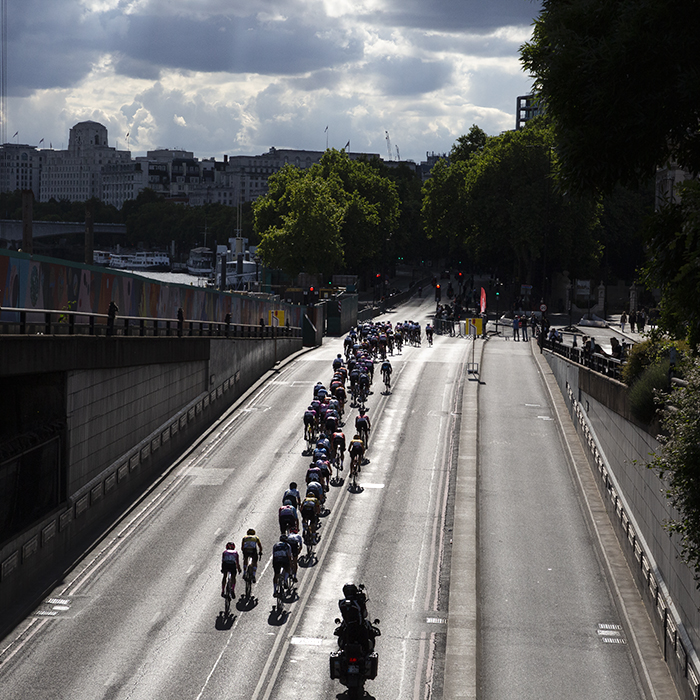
(237, 77)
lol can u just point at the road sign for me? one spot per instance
(543, 307)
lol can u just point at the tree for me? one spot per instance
(502, 204)
(468, 144)
(678, 464)
(673, 263)
(358, 207)
(621, 82)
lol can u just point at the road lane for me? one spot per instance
(549, 623)
(143, 618)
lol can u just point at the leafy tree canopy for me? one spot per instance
(621, 82)
(502, 206)
(334, 216)
(678, 464)
(673, 263)
(470, 143)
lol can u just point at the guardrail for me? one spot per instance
(609, 366)
(19, 321)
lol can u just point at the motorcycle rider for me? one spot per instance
(354, 627)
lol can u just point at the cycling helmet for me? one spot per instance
(293, 485)
(251, 531)
(350, 590)
(230, 545)
(283, 537)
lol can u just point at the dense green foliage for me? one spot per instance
(678, 464)
(335, 216)
(644, 392)
(621, 82)
(673, 263)
(502, 205)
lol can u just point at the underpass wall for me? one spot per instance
(619, 451)
(126, 423)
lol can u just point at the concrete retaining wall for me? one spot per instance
(125, 425)
(619, 450)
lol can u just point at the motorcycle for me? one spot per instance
(354, 663)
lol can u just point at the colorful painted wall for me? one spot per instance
(35, 282)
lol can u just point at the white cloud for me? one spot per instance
(225, 76)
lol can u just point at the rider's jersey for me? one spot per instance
(310, 506)
(316, 489)
(339, 439)
(356, 446)
(281, 551)
(251, 542)
(291, 497)
(386, 367)
(362, 422)
(314, 474)
(287, 513)
(229, 556)
(295, 542)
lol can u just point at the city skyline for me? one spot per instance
(217, 78)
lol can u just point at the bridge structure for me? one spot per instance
(11, 229)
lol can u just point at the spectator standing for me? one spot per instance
(623, 322)
(523, 326)
(633, 320)
(641, 321)
(516, 328)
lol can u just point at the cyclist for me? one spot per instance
(316, 488)
(429, 333)
(356, 448)
(310, 511)
(229, 565)
(309, 423)
(339, 447)
(314, 472)
(363, 384)
(386, 372)
(252, 550)
(288, 519)
(292, 497)
(281, 561)
(338, 362)
(363, 426)
(295, 544)
(326, 471)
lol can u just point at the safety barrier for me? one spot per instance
(19, 321)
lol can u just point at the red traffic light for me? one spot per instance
(437, 286)
(311, 289)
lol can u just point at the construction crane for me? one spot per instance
(388, 146)
(398, 155)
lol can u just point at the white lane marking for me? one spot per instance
(307, 641)
(372, 486)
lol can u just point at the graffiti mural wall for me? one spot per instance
(35, 282)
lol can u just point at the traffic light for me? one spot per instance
(438, 292)
(377, 279)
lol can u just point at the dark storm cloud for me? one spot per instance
(234, 45)
(455, 15)
(410, 76)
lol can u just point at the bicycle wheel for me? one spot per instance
(227, 597)
(249, 583)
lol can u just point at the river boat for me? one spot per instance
(143, 260)
(201, 262)
(101, 258)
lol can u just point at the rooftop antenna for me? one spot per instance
(388, 145)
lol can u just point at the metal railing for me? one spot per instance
(20, 321)
(609, 366)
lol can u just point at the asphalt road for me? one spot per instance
(550, 624)
(141, 616)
